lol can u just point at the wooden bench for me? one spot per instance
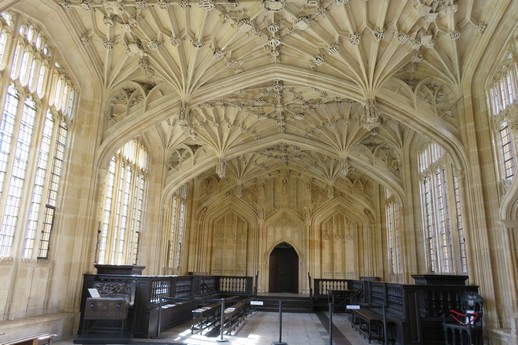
(37, 339)
(208, 315)
(233, 315)
(369, 323)
(205, 316)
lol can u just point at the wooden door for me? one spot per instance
(284, 269)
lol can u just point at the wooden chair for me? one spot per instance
(464, 326)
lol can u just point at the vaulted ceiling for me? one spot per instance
(328, 88)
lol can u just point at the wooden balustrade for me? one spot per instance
(322, 287)
(236, 285)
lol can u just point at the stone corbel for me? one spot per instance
(184, 118)
(371, 115)
(345, 168)
(221, 167)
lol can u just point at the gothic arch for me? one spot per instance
(353, 206)
(337, 231)
(230, 223)
(283, 226)
(231, 203)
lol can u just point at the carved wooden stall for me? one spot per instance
(155, 303)
(414, 312)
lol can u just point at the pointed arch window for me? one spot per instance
(123, 203)
(441, 207)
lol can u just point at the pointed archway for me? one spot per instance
(284, 269)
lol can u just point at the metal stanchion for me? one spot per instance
(331, 323)
(222, 323)
(280, 342)
(385, 333)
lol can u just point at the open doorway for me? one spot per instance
(284, 269)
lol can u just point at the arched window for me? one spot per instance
(123, 203)
(441, 207)
(28, 128)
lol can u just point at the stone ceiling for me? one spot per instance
(329, 88)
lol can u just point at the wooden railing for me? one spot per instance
(236, 285)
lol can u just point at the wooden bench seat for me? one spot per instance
(205, 316)
(369, 323)
(37, 339)
(234, 315)
(209, 315)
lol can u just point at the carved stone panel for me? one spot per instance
(229, 245)
(337, 248)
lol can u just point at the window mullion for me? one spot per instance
(438, 224)
(118, 252)
(128, 205)
(447, 217)
(460, 234)
(132, 214)
(106, 213)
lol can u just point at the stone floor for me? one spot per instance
(262, 328)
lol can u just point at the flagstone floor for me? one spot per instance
(262, 328)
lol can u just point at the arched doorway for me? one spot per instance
(284, 269)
